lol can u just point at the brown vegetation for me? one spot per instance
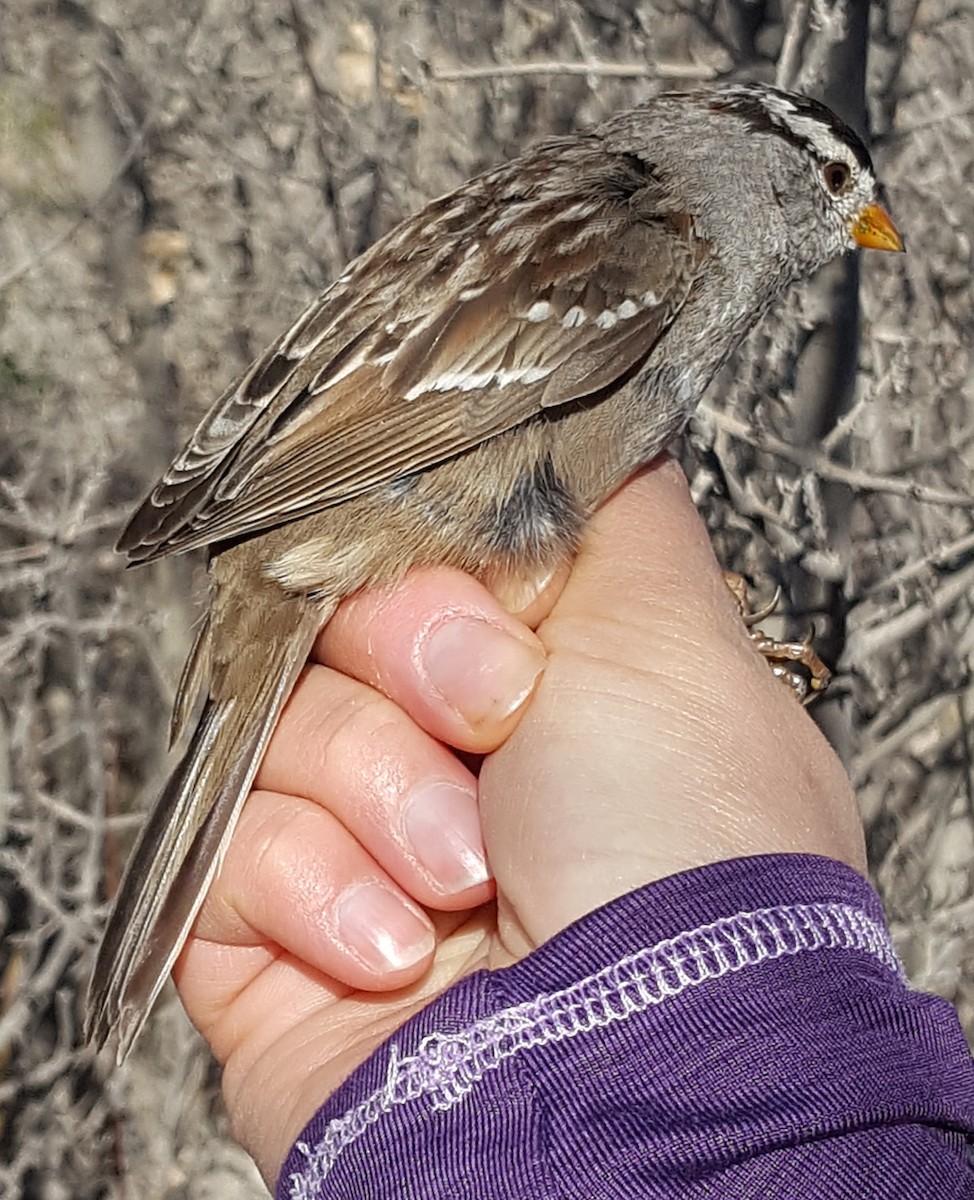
(176, 181)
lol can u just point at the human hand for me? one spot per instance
(657, 740)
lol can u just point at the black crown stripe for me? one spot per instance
(750, 106)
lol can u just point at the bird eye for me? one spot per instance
(837, 177)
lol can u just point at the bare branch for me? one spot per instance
(825, 468)
(885, 631)
(658, 70)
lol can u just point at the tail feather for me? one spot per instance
(183, 842)
(192, 682)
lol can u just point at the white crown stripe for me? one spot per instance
(445, 1068)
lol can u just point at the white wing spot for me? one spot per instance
(471, 381)
(573, 318)
(539, 311)
(606, 319)
(471, 293)
(627, 309)
(649, 299)
(577, 212)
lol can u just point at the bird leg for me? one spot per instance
(784, 658)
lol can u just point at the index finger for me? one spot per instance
(445, 649)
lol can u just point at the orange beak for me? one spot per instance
(873, 229)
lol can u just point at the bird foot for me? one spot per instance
(794, 663)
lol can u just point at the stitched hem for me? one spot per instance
(447, 1067)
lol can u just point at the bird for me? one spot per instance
(467, 393)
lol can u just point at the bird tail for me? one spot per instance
(185, 837)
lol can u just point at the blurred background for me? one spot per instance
(177, 180)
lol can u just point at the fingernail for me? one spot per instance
(381, 930)
(483, 673)
(443, 824)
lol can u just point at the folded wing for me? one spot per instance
(477, 314)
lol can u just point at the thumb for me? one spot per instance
(658, 739)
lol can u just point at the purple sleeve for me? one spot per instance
(741, 1030)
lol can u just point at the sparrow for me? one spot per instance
(468, 391)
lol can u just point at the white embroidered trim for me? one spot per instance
(446, 1067)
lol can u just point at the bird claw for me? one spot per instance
(794, 663)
